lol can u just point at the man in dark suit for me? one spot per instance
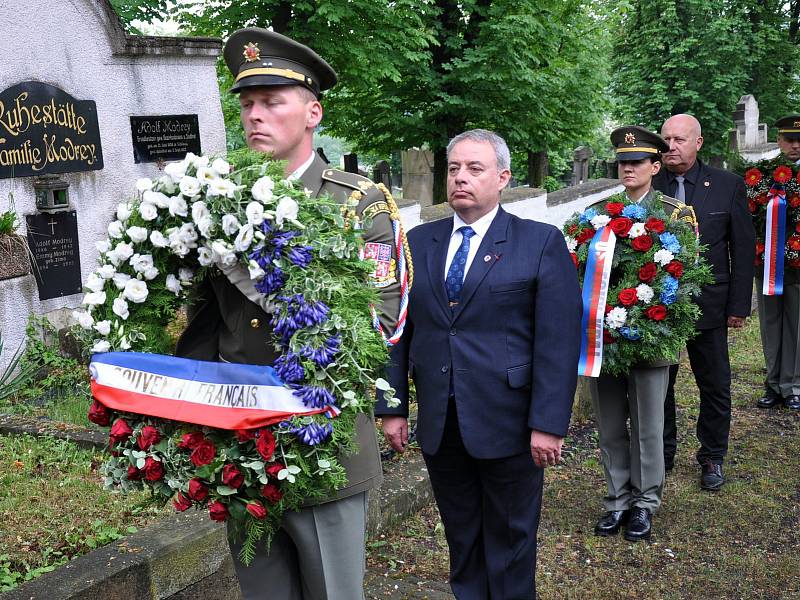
(719, 200)
(492, 343)
(319, 550)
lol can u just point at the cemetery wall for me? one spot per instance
(80, 47)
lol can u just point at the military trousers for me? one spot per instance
(779, 317)
(629, 410)
(318, 554)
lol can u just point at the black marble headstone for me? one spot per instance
(164, 137)
(53, 240)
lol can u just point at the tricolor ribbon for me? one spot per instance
(774, 240)
(221, 395)
(595, 290)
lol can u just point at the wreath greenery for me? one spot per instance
(779, 174)
(304, 257)
(655, 272)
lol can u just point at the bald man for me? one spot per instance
(726, 229)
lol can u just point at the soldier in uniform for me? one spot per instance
(780, 315)
(319, 551)
(634, 462)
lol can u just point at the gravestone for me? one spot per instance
(79, 101)
(418, 176)
(381, 174)
(749, 137)
(350, 163)
(580, 164)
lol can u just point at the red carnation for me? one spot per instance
(608, 338)
(655, 225)
(794, 242)
(648, 272)
(190, 441)
(265, 444)
(217, 511)
(148, 436)
(273, 469)
(614, 208)
(245, 435)
(256, 509)
(272, 493)
(99, 414)
(643, 243)
(134, 474)
(181, 502)
(198, 491)
(782, 174)
(621, 226)
(153, 469)
(232, 476)
(657, 312)
(120, 432)
(762, 199)
(752, 177)
(794, 201)
(584, 236)
(203, 454)
(627, 297)
(675, 268)
(574, 258)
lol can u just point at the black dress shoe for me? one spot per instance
(792, 402)
(639, 525)
(770, 399)
(712, 477)
(610, 523)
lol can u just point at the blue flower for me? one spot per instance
(324, 354)
(588, 215)
(300, 255)
(313, 433)
(668, 297)
(669, 284)
(670, 242)
(630, 333)
(272, 281)
(289, 368)
(634, 211)
(313, 396)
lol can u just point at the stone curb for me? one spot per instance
(186, 556)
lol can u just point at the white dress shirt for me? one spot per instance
(298, 172)
(480, 227)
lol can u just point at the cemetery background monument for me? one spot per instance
(85, 110)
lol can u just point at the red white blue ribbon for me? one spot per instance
(595, 291)
(774, 240)
(221, 395)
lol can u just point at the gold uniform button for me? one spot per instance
(255, 323)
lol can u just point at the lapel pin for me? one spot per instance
(707, 183)
(487, 258)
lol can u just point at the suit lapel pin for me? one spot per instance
(707, 183)
(487, 258)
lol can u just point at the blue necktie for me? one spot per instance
(455, 274)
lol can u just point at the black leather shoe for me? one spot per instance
(770, 399)
(639, 525)
(610, 523)
(712, 477)
(792, 402)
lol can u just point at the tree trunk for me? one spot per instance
(537, 168)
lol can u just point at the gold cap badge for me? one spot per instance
(251, 52)
(630, 138)
(797, 123)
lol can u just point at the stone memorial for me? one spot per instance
(418, 176)
(749, 137)
(580, 164)
(381, 174)
(73, 88)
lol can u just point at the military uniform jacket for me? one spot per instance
(225, 325)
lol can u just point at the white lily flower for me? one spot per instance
(205, 175)
(115, 229)
(123, 250)
(185, 275)
(179, 248)
(94, 298)
(200, 161)
(100, 346)
(221, 166)
(223, 252)
(83, 318)
(120, 279)
(189, 186)
(148, 211)
(176, 170)
(178, 207)
(124, 211)
(173, 284)
(120, 308)
(124, 343)
(103, 327)
(106, 271)
(187, 234)
(144, 184)
(158, 240)
(166, 185)
(221, 187)
(244, 239)
(136, 291)
(255, 213)
(199, 211)
(262, 189)
(286, 210)
(104, 246)
(141, 262)
(137, 234)
(205, 256)
(230, 224)
(206, 226)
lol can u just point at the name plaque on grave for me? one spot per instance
(165, 137)
(44, 130)
(53, 240)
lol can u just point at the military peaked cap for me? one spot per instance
(789, 127)
(635, 143)
(259, 57)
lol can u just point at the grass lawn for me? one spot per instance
(53, 506)
(742, 542)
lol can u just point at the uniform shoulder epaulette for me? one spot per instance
(351, 180)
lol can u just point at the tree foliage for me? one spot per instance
(414, 73)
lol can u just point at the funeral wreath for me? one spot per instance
(303, 255)
(645, 306)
